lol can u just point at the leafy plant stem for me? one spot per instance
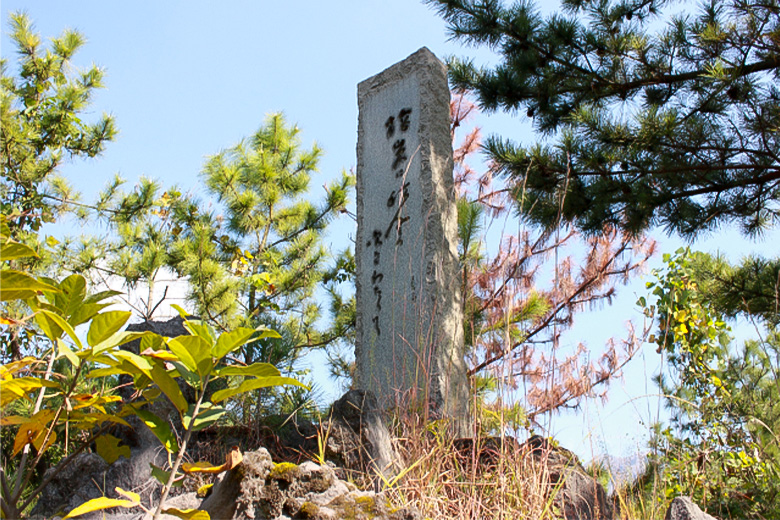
(49, 431)
(182, 450)
(38, 401)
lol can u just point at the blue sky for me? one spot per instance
(186, 79)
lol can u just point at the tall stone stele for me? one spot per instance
(409, 350)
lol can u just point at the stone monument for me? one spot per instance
(409, 349)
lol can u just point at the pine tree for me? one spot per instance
(648, 115)
(40, 114)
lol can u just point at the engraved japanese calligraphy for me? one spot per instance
(409, 341)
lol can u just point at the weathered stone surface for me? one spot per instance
(409, 348)
(577, 495)
(88, 476)
(259, 488)
(358, 440)
(683, 508)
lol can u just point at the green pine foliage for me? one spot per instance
(650, 113)
(41, 113)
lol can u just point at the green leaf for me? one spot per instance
(255, 369)
(207, 415)
(254, 384)
(100, 296)
(117, 339)
(141, 363)
(14, 250)
(105, 325)
(84, 312)
(74, 290)
(230, 341)
(107, 446)
(201, 329)
(162, 476)
(190, 377)
(64, 350)
(184, 314)
(15, 285)
(160, 429)
(61, 323)
(168, 386)
(194, 352)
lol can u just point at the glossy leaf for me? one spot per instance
(168, 386)
(17, 388)
(194, 352)
(207, 415)
(105, 325)
(117, 339)
(160, 429)
(64, 350)
(48, 317)
(73, 290)
(15, 285)
(254, 384)
(255, 369)
(199, 328)
(141, 363)
(230, 341)
(14, 250)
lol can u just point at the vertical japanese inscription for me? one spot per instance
(395, 126)
(409, 341)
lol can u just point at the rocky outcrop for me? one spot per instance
(88, 476)
(260, 488)
(683, 508)
(357, 439)
(576, 494)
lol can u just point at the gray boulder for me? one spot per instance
(88, 476)
(683, 508)
(577, 495)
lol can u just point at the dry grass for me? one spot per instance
(491, 477)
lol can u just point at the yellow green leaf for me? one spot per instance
(187, 514)
(194, 352)
(65, 351)
(96, 504)
(160, 429)
(61, 323)
(9, 369)
(255, 369)
(15, 285)
(107, 446)
(13, 250)
(230, 341)
(105, 325)
(168, 386)
(17, 388)
(253, 384)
